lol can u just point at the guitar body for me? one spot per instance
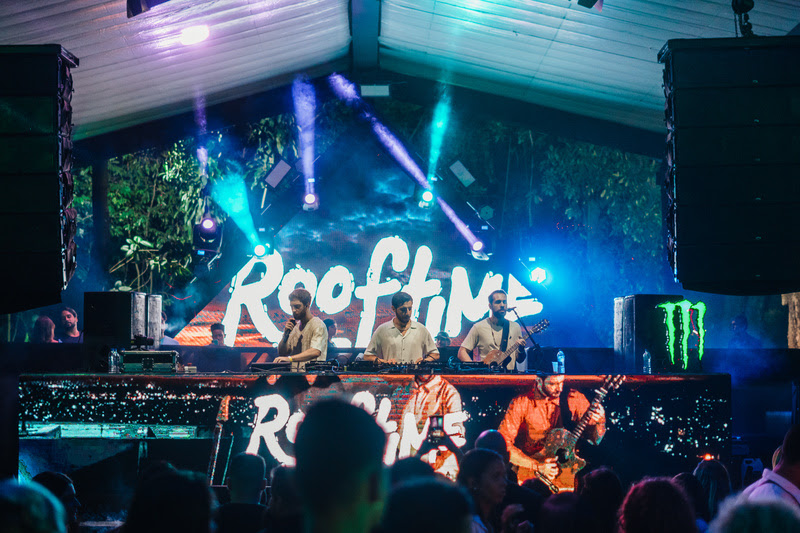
(558, 444)
(508, 359)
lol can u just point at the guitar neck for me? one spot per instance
(580, 427)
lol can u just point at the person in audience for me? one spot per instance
(340, 477)
(62, 487)
(409, 468)
(530, 501)
(69, 332)
(716, 483)
(742, 515)
(783, 482)
(284, 513)
(44, 331)
(602, 490)
(172, 502)
(246, 484)
(483, 474)
(694, 492)
(565, 512)
(29, 508)
(656, 505)
(427, 506)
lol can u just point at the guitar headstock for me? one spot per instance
(539, 326)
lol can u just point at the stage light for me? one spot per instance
(441, 117)
(538, 275)
(194, 35)
(343, 88)
(477, 246)
(427, 196)
(708, 457)
(208, 224)
(260, 250)
(207, 236)
(305, 106)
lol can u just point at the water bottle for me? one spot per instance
(113, 361)
(560, 357)
(646, 368)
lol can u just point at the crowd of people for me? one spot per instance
(340, 484)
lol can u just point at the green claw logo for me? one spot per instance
(686, 308)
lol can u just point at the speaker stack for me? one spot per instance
(733, 157)
(37, 221)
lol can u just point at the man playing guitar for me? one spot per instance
(535, 414)
(489, 334)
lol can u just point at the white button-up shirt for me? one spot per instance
(388, 343)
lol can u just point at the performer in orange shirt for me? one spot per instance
(537, 412)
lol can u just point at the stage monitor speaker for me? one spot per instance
(37, 247)
(733, 163)
(639, 325)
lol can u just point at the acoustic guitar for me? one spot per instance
(502, 358)
(560, 444)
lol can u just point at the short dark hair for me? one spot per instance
(217, 325)
(498, 291)
(474, 465)
(172, 501)
(400, 298)
(329, 322)
(656, 505)
(247, 471)
(69, 309)
(301, 295)
(791, 446)
(337, 446)
(426, 506)
(491, 439)
(409, 468)
(55, 482)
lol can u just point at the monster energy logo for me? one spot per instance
(685, 308)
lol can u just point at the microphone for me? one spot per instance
(511, 308)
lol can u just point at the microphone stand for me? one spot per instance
(536, 348)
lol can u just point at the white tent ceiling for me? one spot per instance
(553, 53)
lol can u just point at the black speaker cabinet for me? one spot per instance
(733, 158)
(112, 320)
(639, 325)
(37, 247)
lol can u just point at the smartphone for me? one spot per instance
(437, 427)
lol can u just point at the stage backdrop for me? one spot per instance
(368, 240)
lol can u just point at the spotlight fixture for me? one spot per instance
(591, 3)
(260, 250)
(310, 202)
(207, 236)
(424, 197)
(137, 7)
(538, 275)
